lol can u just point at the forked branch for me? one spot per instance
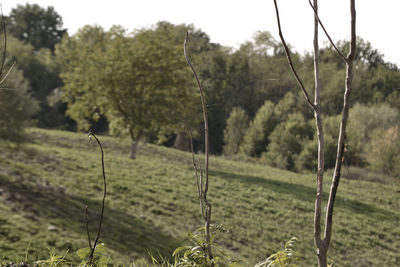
(323, 244)
(326, 33)
(290, 61)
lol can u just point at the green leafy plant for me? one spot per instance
(100, 256)
(195, 254)
(283, 258)
(53, 260)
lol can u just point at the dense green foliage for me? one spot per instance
(236, 127)
(152, 204)
(286, 141)
(137, 83)
(32, 24)
(257, 135)
(16, 107)
(32, 35)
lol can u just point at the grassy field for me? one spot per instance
(152, 204)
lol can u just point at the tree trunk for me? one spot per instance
(182, 142)
(135, 143)
(134, 149)
(322, 258)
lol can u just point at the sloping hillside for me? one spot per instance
(152, 204)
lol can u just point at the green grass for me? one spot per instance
(152, 204)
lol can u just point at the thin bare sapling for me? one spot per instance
(322, 244)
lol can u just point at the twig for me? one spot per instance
(90, 134)
(8, 72)
(87, 227)
(3, 61)
(199, 179)
(206, 156)
(5, 41)
(326, 33)
(289, 58)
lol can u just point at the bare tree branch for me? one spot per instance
(315, 8)
(199, 179)
(3, 61)
(8, 72)
(87, 227)
(343, 125)
(104, 197)
(323, 244)
(320, 136)
(206, 155)
(289, 58)
(5, 41)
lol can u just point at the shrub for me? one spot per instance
(364, 122)
(383, 151)
(256, 139)
(16, 107)
(288, 140)
(236, 126)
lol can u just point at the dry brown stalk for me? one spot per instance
(206, 211)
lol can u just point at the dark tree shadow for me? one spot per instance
(305, 193)
(121, 232)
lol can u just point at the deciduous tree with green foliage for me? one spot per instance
(256, 139)
(236, 127)
(137, 81)
(16, 106)
(42, 28)
(287, 140)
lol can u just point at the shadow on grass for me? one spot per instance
(121, 232)
(305, 193)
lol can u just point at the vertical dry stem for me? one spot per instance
(207, 215)
(320, 136)
(104, 199)
(3, 60)
(87, 227)
(342, 134)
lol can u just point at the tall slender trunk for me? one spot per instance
(135, 143)
(134, 149)
(343, 126)
(321, 249)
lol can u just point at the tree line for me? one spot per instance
(135, 84)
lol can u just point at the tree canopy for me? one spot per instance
(40, 27)
(138, 81)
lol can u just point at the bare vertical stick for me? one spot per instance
(343, 125)
(320, 136)
(3, 60)
(206, 156)
(199, 179)
(5, 41)
(104, 197)
(87, 227)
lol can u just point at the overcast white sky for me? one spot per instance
(231, 22)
